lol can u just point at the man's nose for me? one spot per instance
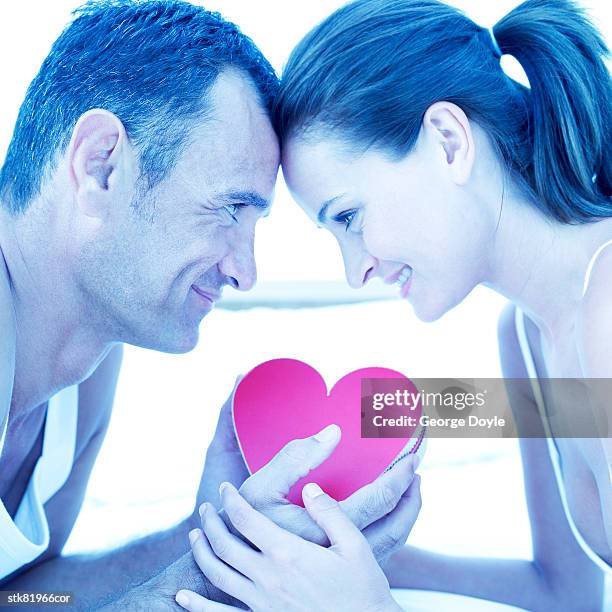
(239, 267)
(359, 267)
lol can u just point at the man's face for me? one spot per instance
(162, 258)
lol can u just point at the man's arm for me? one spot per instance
(560, 577)
(95, 579)
(384, 509)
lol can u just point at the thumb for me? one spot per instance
(296, 459)
(329, 516)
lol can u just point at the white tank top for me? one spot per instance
(539, 398)
(27, 537)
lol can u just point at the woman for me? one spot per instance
(434, 170)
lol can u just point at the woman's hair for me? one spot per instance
(369, 72)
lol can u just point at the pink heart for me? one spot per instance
(284, 399)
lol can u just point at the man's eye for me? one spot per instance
(346, 218)
(232, 210)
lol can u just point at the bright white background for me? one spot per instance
(166, 405)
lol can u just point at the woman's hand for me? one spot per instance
(385, 509)
(286, 573)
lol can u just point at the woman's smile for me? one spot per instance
(403, 279)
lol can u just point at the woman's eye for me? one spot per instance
(232, 210)
(346, 218)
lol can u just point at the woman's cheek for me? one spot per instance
(382, 243)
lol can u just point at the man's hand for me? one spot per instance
(384, 510)
(224, 462)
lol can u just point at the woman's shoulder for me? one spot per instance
(594, 344)
(594, 323)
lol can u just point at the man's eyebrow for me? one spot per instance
(322, 216)
(247, 197)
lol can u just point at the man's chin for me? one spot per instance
(177, 342)
(181, 344)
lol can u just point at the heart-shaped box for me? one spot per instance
(284, 399)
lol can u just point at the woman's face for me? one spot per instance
(409, 222)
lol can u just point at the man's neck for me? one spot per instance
(55, 343)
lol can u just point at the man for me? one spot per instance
(142, 158)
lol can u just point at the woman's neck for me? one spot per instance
(540, 264)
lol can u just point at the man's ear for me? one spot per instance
(97, 155)
(450, 128)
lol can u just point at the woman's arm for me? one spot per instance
(594, 343)
(560, 577)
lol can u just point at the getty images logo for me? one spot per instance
(396, 407)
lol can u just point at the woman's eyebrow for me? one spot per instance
(322, 216)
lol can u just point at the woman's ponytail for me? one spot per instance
(570, 123)
(370, 71)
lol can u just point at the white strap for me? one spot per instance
(59, 442)
(519, 320)
(3, 436)
(587, 276)
(27, 537)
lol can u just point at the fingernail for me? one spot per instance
(416, 461)
(203, 509)
(193, 536)
(223, 486)
(182, 599)
(329, 434)
(312, 490)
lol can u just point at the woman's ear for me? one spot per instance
(450, 128)
(97, 157)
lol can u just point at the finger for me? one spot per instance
(220, 575)
(378, 498)
(254, 526)
(196, 603)
(227, 546)
(327, 514)
(390, 533)
(294, 461)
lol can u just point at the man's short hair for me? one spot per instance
(151, 63)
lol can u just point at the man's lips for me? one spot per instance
(211, 295)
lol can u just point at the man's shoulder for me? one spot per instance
(7, 342)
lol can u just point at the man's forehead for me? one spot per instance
(236, 108)
(236, 127)
(234, 149)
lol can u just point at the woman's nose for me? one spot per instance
(360, 271)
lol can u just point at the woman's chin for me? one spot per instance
(428, 311)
